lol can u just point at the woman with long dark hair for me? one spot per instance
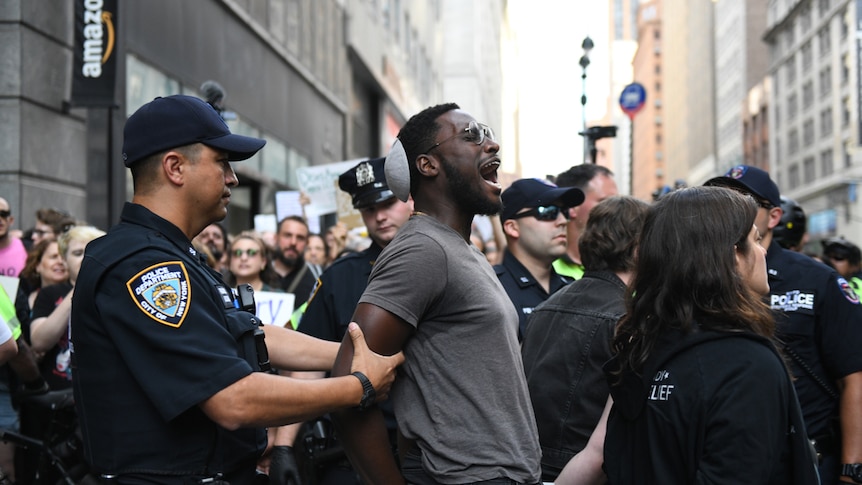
(700, 393)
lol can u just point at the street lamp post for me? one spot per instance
(587, 45)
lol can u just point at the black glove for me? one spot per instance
(282, 466)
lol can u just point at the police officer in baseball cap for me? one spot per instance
(167, 362)
(339, 287)
(534, 217)
(817, 317)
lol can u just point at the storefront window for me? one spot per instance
(144, 83)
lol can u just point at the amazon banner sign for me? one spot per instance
(95, 64)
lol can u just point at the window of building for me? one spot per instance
(790, 35)
(808, 132)
(824, 40)
(808, 169)
(386, 13)
(845, 113)
(826, 122)
(826, 162)
(292, 26)
(845, 70)
(807, 56)
(805, 18)
(825, 80)
(790, 70)
(274, 163)
(793, 176)
(618, 19)
(295, 160)
(793, 142)
(807, 94)
(845, 27)
(144, 83)
(822, 7)
(791, 106)
(774, 51)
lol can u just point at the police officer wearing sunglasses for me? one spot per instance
(534, 217)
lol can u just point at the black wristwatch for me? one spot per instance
(852, 470)
(368, 392)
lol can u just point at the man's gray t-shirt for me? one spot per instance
(461, 394)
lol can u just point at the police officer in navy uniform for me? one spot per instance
(846, 258)
(819, 325)
(534, 218)
(164, 357)
(340, 286)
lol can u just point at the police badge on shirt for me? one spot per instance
(162, 292)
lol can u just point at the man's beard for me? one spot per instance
(215, 251)
(289, 262)
(465, 195)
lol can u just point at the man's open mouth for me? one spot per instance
(488, 171)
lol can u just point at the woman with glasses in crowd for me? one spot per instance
(248, 261)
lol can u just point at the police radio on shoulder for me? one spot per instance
(245, 298)
(368, 392)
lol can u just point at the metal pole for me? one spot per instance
(584, 112)
(587, 45)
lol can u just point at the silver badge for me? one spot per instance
(364, 174)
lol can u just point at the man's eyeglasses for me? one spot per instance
(476, 133)
(5, 214)
(836, 257)
(544, 213)
(251, 252)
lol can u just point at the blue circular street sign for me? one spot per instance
(632, 99)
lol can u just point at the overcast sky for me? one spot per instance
(550, 33)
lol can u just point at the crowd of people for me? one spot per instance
(591, 338)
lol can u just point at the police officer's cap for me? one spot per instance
(366, 183)
(177, 121)
(750, 180)
(529, 193)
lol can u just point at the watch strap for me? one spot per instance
(368, 392)
(852, 470)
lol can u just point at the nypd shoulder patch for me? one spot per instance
(162, 292)
(848, 291)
